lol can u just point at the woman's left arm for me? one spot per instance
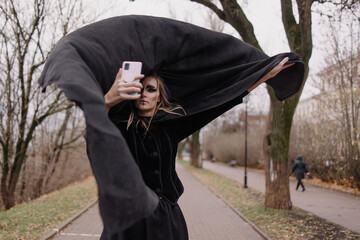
(278, 68)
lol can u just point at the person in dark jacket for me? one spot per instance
(154, 148)
(299, 168)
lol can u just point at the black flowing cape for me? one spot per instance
(203, 70)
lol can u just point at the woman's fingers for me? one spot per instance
(138, 77)
(120, 90)
(129, 90)
(284, 65)
(279, 67)
(118, 75)
(123, 84)
(273, 72)
(124, 88)
(284, 61)
(288, 65)
(127, 96)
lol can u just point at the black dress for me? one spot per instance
(204, 71)
(154, 151)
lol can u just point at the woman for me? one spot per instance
(206, 72)
(154, 147)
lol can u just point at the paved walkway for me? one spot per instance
(340, 208)
(207, 217)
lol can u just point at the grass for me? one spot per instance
(36, 218)
(278, 224)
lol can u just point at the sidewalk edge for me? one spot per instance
(64, 224)
(237, 212)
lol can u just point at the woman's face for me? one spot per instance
(149, 98)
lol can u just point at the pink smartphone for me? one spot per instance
(130, 70)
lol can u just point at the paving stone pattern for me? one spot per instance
(207, 217)
(88, 226)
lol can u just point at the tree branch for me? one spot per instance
(74, 139)
(234, 15)
(344, 4)
(237, 18)
(213, 7)
(291, 28)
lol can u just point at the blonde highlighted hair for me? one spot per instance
(164, 104)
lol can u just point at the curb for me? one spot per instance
(261, 233)
(258, 230)
(63, 225)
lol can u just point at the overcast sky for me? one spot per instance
(265, 16)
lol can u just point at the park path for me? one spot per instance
(207, 217)
(340, 208)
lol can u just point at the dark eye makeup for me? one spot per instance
(151, 88)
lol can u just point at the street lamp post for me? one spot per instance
(245, 164)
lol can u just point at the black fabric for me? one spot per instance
(166, 223)
(205, 72)
(154, 150)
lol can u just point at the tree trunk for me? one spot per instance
(276, 149)
(7, 197)
(24, 54)
(281, 113)
(277, 193)
(195, 151)
(181, 147)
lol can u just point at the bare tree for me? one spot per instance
(28, 32)
(340, 85)
(53, 140)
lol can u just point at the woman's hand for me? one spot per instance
(120, 90)
(273, 72)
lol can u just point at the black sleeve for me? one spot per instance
(188, 124)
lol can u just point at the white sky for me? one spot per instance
(265, 16)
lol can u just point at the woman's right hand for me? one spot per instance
(120, 90)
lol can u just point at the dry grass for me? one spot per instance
(36, 218)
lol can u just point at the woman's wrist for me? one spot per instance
(108, 102)
(262, 80)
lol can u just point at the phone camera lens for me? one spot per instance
(127, 66)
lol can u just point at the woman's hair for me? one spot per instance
(164, 104)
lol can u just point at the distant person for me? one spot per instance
(299, 168)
